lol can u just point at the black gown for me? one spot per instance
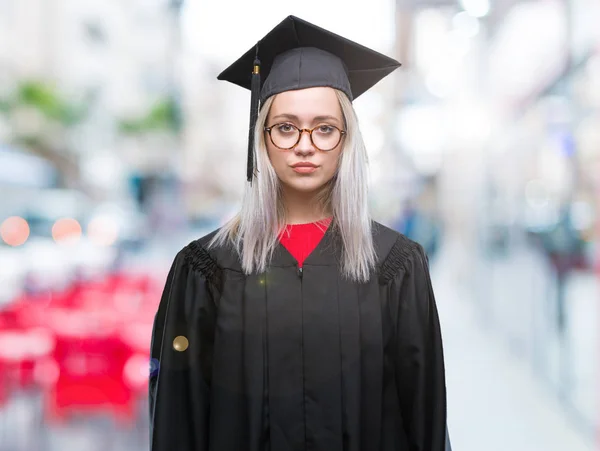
(293, 360)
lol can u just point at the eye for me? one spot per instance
(286, 128)
(325, 129)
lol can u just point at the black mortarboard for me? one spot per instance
(296, 55)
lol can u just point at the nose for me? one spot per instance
(305, 145)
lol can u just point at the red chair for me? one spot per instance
(23, 343)
(14, 350)
(4, 382)
(90, 358)
(4, 387)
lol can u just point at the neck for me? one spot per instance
(302, 208)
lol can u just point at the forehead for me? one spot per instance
(307, 103)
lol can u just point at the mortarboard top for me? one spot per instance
(297, 55)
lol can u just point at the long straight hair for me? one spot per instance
(254, 231)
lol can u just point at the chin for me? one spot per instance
(304, 186)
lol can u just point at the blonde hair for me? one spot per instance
(255, 229)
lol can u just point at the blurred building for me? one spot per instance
(119, 58)
(507, 120)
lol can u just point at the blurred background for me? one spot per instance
(118, 147)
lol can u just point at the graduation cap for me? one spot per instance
(297, 55)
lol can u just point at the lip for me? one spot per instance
(304, 164)
(304, 169)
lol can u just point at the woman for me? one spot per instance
(301, 324)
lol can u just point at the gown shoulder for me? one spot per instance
(211, 260)
(197, 257)
(395, 250)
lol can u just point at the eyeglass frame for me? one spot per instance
(302, 130)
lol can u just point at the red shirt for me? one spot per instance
(301, 239)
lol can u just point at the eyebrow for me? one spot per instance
(322, 118)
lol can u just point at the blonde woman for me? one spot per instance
(301, 324)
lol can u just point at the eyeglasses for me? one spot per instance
(286, 136)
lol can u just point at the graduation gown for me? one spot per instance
(292, 359)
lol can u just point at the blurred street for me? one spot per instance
(496, 402)
(119, 146)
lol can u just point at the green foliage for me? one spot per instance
(4, 106)
(163, 116)
(29, 142)
(45, 99)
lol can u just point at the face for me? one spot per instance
(304, 168)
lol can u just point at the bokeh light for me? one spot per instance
(66, 230)
(14, 231)
(103, 231)
(476, 8)
(465, 24)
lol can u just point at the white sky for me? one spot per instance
(225, 29)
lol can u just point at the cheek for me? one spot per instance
(331, 164)
(277, 158)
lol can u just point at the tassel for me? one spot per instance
(254, 105)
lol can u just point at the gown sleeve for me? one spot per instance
(181, 353)
(419, 359)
